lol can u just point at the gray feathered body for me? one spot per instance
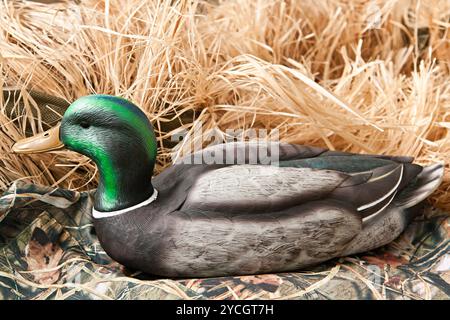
(217, 220)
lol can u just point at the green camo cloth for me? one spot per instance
(49, 250)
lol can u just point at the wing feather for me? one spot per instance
(376, 193)
(248, 188)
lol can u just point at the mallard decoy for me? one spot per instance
(223, 219)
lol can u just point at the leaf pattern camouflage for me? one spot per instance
(49, 250)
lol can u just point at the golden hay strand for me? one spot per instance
(360, 76)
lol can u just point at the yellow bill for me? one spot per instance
(42, 142)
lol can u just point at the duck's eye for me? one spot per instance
(84, 124)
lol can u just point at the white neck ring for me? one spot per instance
(100, 214)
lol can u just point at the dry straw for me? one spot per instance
(361, 76)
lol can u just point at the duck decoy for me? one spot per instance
(202, 220)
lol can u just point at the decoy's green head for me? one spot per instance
(102, 127)
(116, 135)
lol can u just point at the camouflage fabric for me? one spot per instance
(48, 250)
